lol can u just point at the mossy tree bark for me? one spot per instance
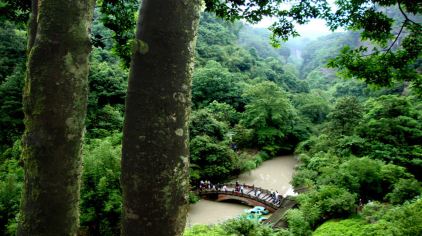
(155, 141)
(55, 99)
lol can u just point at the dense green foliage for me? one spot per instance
(369, 150)
(272, 117)
(12, 48)
(378, 219)
(357, 145)
(12, 70)
(239, 226)
(11, 183)
(101, 200)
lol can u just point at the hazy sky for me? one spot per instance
(313, 29)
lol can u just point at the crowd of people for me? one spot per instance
(273, 197)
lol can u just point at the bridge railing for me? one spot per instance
(252, 187)
(265, 191)
(250, 195)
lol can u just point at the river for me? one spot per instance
(274, 174)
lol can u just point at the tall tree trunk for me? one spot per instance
(55, 99)
(155, 141)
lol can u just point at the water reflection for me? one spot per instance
(210, 212)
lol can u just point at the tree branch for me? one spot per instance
(387, 50)
(397, 37)
(405, 16)
(400, 31)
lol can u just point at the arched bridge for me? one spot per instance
(251, 196)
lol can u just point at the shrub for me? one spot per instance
(327, 202)
(348, 227)
(404, 189)
(298, 225)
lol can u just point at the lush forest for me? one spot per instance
(359, 145)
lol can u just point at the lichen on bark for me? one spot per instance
(54, 99)
(155, 151)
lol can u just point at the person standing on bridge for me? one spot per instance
(272, 195)
(276, 197)
(257, 193)
(237, 187)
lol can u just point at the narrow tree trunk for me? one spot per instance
(55, 98)
(155, 144)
